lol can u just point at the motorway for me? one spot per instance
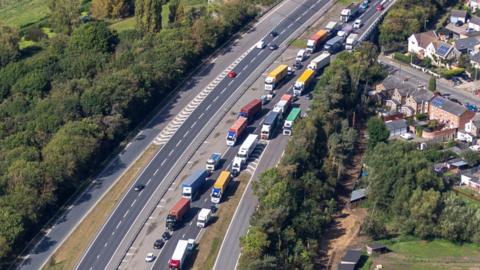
(229, 253)
(119, 223)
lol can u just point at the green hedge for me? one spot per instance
(402, 57)
(449, 73)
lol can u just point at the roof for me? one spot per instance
(442, 49)
(444, 31)
(459, 163)
(425, 38)
(458, 13)
(473, 174)
(342, 266)
(476, 120)
(475, 20)
(475, 58)
(396, 124)
(422, 96)
(358, 194)
(466, 43)
(393, 82)
(376, 246)
(448, 106)
(352, 256)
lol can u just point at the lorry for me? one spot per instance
(300, 55)
(332, 27)
(334, 44)
(269, 125)
(319, 62)
(275, 76)
(179, 255)
(193, 184)
(352, 40)
(291, 118)
(236, 131)
(351, 11)
(303, 81)
(213, 161)
(220, 186)
(364, 5)
(283, 105)
(177, 212)
(381, 5)
(250, 110)
(204, 217)
(314, 42)
(244, 153)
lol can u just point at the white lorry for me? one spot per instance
(204, 217)
(320, 61)
(301, 55)
(244, 153)
(351, 41)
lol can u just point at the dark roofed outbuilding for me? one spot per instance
(342, 266)
(376, 248)
(352, 257)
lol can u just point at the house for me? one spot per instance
(464, 136)
(400, 94)
(471, 178)
(357, 196)
(468, 45)
(375, 248)
(396, 127)
(451, 114)
(444, 34)
(351, 257)
(474, 23)
(418, 43)
(473, 126)
(441, 53)
(419, 101)
(458, 16)
(475, 60)
(473, 4)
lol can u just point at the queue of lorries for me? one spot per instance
(284, 113)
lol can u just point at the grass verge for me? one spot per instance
(21, 13)
(123, 25)
(298, 43)
(212, 238)
(70, 252)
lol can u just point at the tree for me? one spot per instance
(111, 8)
(377, 132)
(471, 157)
(65, 14)
(432, 84)
(148, 15)
(9, 49)
(92, 37)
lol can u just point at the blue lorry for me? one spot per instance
(193, 184)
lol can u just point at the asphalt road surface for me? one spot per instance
(105, 244)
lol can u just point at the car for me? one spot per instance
(407, 136)
(158, 244)
(261, 44)
(166, 236)
(290, 71)
(213, 208)
(191, 245)
(459, 23)
(357, 24)
(232, 74)
(273, 47)
(309, 96)
(475, 147)
(297, 66)
(273, 34)
(139, 187)
(342, 33)
(150, 257)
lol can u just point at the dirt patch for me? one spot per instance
(213, 236)
(70, 252)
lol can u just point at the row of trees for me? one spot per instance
(407, 197)
(296, 199)
(407, 17)
(65, 107)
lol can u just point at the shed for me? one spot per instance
(396, 127)
(352, 257)
(358, 194)
(342, 266)
(373, 248)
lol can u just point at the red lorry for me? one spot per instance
(251, 109)
(236, 131)
(177, 212)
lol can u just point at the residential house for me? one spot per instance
(419, 101)
(473, 4)
(400, 94)
(397, 127)
(471, 178)
(441, 53)
(473, 126)
(474, 23)
(458, 16)
(451, 114)
(444, 34)
(468, 45)
(376, 248)
(418, 43)
(475, 60)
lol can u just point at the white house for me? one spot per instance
(458, 16)
(474, 23)
(471, 178)
(474, 4)
(418, 43)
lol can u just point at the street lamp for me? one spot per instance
(425, 25)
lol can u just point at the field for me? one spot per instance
(123, 25)
(21, 13)
(425, 255)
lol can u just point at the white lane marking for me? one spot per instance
(171, 152)
(245, 67)
(113, 233)
(223, 90)
(128, 145)
(186, 133)
(156, 171)
(230, 83)
(148, 182)
(178, 143)
(205, 199)
(163, 162)
(191, 223)
(201, 115)
(106, 244)
(134, 201)
(297, 19)
(215, 99)
(98, 256)
(120, 222)
(208, 107)
(194, 123)
(183, 235)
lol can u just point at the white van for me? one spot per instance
(300, 55)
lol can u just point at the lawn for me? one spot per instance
(123, 25)
(21, 13)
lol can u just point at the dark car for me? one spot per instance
(273, 47)
(273, 34)
(213, 208)
(139, 187)
(309, 96)
(158, 244)
(297, 66)
(166, 236)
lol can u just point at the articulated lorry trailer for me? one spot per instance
(275, 77)
(250, 110)
(244, 153)
(179, 255)
(283, 106)
(291, 119)
(176, 214)
(193, 184)
(269, 125)
(319, 62)
(303, 82)
(220, 187)
(236, 131)
(315, 41)
(352, 40)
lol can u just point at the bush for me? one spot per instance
(35, 34)
(449, 73)
(402, 57)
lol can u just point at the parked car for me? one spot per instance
(150, 257)
(166, 236)
(407, 136)
(214, 208)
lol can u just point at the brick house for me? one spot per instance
(419, 101)
(451, 114)
(473, 126)
(400, 94)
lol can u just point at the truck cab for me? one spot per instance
(300, 55)
(213, 161)
(204, 217)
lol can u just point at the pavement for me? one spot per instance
(135, 208)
